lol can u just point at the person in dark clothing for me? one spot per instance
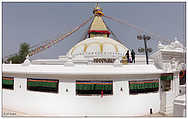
(133, 55)
(127, 54)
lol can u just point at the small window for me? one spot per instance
(166, 81)
(8, 83)
(166, 85)
(182, 77)
(147, 86)
(94, 87)
(43, 85)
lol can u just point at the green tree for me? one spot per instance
(20, 57)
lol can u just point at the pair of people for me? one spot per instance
(132, 56)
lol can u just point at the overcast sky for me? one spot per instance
(36, 22)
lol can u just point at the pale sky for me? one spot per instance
(36, 22)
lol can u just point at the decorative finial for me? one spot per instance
(97, 4)
(98, 11)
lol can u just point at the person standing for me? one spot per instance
(127, 54)
(133, 56)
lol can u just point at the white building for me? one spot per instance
(94, 79)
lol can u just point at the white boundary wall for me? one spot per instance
(68, 104)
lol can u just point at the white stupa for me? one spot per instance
(94, 79)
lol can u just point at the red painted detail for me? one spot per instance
(8, 78)
(99, 31)
(102, 93)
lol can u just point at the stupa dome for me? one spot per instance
(98, 41)
(97, 45)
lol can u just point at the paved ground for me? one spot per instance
(159, 115)
(11, 113)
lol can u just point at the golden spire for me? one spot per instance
(98, 11)
(98, 27)
(97, 6)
